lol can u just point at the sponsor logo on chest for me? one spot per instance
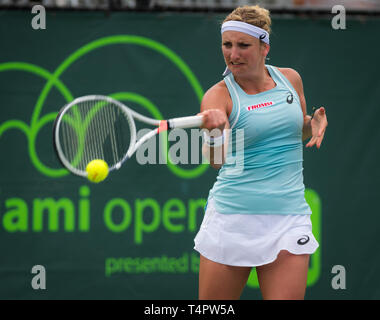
(260, 105)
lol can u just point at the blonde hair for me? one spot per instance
(254, 15)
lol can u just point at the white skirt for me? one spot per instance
(252, 240)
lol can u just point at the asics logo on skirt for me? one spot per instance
(303, 240)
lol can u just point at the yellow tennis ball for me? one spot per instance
(97, 170)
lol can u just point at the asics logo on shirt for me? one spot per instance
(303, 240)
(289, 99)
(260, 105)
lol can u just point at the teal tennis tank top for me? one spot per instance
(263, 171)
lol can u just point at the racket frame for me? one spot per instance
(162, 125)
(57, 145)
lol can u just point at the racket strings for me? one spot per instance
(94, 129)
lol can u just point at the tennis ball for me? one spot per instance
(97, 170)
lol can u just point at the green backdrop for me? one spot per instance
(131, 237)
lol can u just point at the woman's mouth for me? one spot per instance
(236, 63)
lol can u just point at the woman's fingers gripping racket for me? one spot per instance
(214, 119)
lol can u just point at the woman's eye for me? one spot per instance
(240, 45)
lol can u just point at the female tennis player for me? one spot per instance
(258, 217)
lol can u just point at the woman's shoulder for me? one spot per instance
(292, 75)
(217, 91)
(219, 87)
(294, 78)
(217, 96)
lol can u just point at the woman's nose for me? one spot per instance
(234, 53)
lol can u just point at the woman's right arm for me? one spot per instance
(215, 107)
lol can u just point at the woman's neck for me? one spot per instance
(256, 82)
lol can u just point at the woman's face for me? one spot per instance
(243, 53)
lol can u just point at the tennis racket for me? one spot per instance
(99, 127)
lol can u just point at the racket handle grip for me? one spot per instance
(186, 122)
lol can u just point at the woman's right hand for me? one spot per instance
(214, 119)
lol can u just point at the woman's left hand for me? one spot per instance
(318, 128)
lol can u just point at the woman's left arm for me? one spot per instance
(314, 126)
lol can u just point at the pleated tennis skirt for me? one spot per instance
(252, 240)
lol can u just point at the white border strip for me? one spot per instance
(238, 100)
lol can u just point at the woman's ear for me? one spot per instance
(265, 49)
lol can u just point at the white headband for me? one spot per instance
(246, 28)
